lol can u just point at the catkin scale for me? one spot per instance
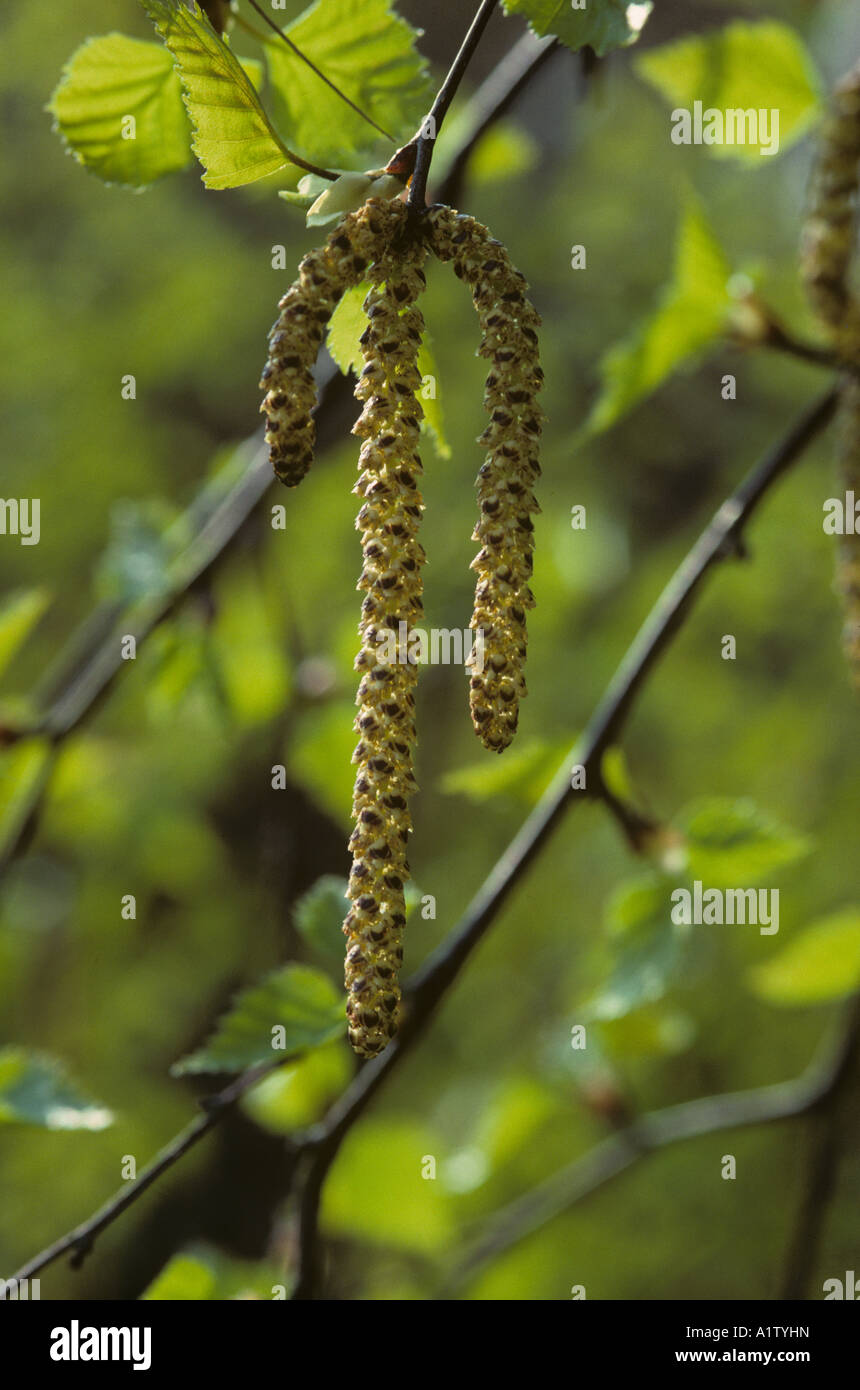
(391, 581)
(295, 339)
(828, 250)
(506, 501)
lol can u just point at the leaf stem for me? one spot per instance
(313, 67)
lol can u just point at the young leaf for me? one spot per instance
(690, 314)
(109, 83)
(745, 66)
(34, 1090)
(22, 769)
(820, 964)
(319, 915)
(602, 24)
(233, 137)
(302, 1001)
(370, 54)
(733, 844)
(19, 614)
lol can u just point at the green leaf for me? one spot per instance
(301, 1000)
(294, 1097)
(205, 1275)
(381, 1162)
(734, 844)
(370, 54)
(602, 24)
(135, 562)
(346, 326)
(430, 395)
(233, 137)
(504, 151)
(690, 314)
(525, 773)
(819, 964)
(648, 944)
(652, 1031)
(22, 769)
(745, 66)
(319, 915)
(19, 614)
(107, 81)
(34, 1090)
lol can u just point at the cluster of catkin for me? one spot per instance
(828, 253)
(387, 244)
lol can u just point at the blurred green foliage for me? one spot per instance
(166, 794)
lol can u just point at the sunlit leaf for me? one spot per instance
(732, 843)
(109, 83)
(820, 963)
(34, 1090)
(689, 316)
(370, 54)
(525, 773)
(233, 137)
(301, 1001)
(602, 24)
(296, 1096)
(747, 67)
(19, 614)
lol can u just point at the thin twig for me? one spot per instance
(815, 1088)
(80, 1241)
(313, 67)
(432, 123)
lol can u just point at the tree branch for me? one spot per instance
(432, 123)
(815, 1088)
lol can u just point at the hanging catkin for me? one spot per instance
(829, 243)
(506, 501)
(295, 339)
(391, 578)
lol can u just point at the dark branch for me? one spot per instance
(815, 1088)
(432, 123)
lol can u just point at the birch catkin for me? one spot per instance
(828, 252)
(391, 578)
(295, 339)
(506, 501)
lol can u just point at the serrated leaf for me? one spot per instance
(819, 964)
(35, 1090)
(602, 24)
(733, 844)
(648, 947)
(233, 137)
(19, 614)
(689, 316)
(744, 66)
(370, 54)
(319, 915)
(108, 80)
(302, 1001)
